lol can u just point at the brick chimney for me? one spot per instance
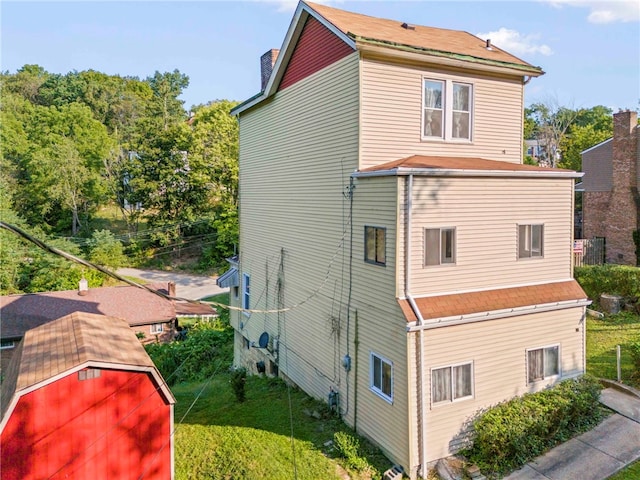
(267, 61)
(624, 195)
(172, 289)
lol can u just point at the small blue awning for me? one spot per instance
(228, 279)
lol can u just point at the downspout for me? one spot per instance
(407, 282)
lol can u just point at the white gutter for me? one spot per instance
(429, 324)
(450, 172)
(421, 410)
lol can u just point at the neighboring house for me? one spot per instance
(610, 200)
(151, 316)
(82, 399)
(396, 257)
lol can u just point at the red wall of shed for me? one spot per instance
(112, 427)
(317, 47)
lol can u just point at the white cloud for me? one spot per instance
(605, 11)
(515, 42)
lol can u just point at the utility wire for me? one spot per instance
(106, 271)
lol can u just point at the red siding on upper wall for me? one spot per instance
(114, 426)
(317, 48)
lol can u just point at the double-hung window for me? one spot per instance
(543, 363)
(440, 246)
(530, 241)
(375, 245)
(381, 377)
(447, 110)
(452, 383)
(246, 292)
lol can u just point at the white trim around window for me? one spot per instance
(543, 363)
(7, 344)
(452, 383)
(439, 246)
(447, 110)
(156, 328)
(381, 376)
(246, 293)
(530, 240)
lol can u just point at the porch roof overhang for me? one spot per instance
(461, 167)
(457, 308)
(228, 279)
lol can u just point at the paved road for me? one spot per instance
(193, 287)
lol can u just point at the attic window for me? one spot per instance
(88, 374)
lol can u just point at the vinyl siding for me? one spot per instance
(381, 324)
(485, 213)
(498, 373)
(392, 115)
(298, 150)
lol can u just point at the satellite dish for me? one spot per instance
(264, 340)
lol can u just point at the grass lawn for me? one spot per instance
(632, 472)
(223, 439)
(602, 337)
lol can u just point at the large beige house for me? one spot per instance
(396, 257)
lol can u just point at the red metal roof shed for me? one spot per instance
(82, 399)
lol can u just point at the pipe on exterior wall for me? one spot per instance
(421, 407)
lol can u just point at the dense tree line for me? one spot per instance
(77, 142)
(564, 132)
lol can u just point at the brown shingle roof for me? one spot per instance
(459, 163)
(137, 306)
(69, 342)
(392, 33)
(443, 306)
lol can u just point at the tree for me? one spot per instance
(106, 250)
(61, 173)
(552, 122)
(166, 88)
(592, 126)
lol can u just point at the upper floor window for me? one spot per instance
(375, 245)
(381, 377)
(246, 292)
(440, 246)
(446, 110)
(530, 241)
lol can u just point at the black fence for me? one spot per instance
(589, 251)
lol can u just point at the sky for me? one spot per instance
(590, 50)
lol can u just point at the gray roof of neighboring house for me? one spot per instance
(137, 306)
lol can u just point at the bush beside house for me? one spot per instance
(514, 432)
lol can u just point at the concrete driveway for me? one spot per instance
(192, 287)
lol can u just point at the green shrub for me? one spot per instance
(348, 447)
(238, 382)
(208, 348)
(611, 279)
(634, 350)
(106, 250)
(512, 433)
